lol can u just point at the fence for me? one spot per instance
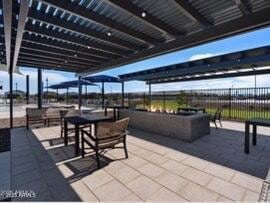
(238, 103)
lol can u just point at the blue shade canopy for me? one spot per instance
(60, 86)
(68, 84)
(75, 83)
(102, 78)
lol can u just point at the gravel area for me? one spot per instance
(17, 122)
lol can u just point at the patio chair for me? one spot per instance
(35, 116)
(217, 117)
(53, 115)
(108, 135)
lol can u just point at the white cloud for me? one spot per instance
(202, 56)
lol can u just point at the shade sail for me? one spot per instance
(69, 84)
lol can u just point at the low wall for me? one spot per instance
(187, 128)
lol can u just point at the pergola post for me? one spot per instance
(11, 97)
(39, 73)
(85, 95)
(80, 92)
(57, 95)
(27, 89)
(150, 96)
(103, 96)
(123, 94)
(67, 96)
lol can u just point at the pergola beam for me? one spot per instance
(89, 15)
(67, 54)
(73, 27)
(243, 7)
(48, 56)
(24, 7)
(103, 49)
(128, 6)
(191, 12)
(7, 16)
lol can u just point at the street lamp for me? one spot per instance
(47, 83)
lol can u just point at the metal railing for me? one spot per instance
(238, 103)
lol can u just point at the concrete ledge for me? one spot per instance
(186, 128)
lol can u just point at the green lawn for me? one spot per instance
(237, 114)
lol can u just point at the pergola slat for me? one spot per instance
(191, 12)
(98, 48)
(86, 14)
(72, 27)
(243, 7)
(149, 18)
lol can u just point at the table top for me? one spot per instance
(87, 119)
(259, 121)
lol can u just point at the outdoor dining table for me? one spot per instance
(254, 122)
(194, 109)
(78, 121)
(115, 111)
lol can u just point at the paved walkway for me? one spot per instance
(213, 168)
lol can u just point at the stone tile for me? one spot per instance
(156, 158)
(197, 176)
(142, 152)
(126, 174)
(171, 181)
(63, 192)
(247, 181)
(20, 168)
(135, 162)
(174, 166)
(151, 170)
(219, 171)
(65, 171)
(132, 198)
(227, 189)
(112, 191)
(223, 199)
(97, 179)
(251, 196)
(177, 156)
(83, 191)
(53, 177)
(143, 187)
(194, 192)
(165, 195)
(196, 163)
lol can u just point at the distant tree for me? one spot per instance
(182, 98)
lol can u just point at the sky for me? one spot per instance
(237, 43)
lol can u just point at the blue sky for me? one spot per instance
(237, 43)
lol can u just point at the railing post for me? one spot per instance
(128, 99)
(164, 101)
(230, 103)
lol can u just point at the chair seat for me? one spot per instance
(105, 143)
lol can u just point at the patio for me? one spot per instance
(212, 168)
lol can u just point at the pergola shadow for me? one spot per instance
(223, 146)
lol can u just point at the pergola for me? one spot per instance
(89, 36)
(242, 63)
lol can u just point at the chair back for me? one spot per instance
(34, 112)
(53, 112)
(73, 112)
(122, 124)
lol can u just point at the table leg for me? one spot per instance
(105, 111)
(118, 115)
(254, 135)
(114, 114)
(246, 138)
(77, 140)
(65, 133)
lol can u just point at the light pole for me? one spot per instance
(16, 89)
(47, 83)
